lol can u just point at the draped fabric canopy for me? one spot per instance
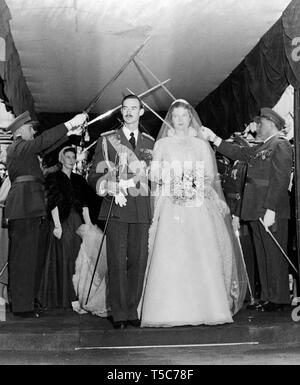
(259, 80)
(60, 53)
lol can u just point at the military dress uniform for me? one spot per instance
(25, 208)
(266, 187)
(127, 231)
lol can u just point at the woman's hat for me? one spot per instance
(64, 150)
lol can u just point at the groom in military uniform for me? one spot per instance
(118, 172)
(266, 197)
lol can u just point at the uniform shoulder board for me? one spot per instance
(107, 133)
(148, 136)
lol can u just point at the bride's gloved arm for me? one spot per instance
(209, 164)
(211, 174)
(86, 215)
(212, 179)
(155, 173)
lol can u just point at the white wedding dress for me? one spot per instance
(191, 277)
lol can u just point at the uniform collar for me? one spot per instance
(127, 133)
(270, 137)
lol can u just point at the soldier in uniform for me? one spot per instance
(25, 206)
(118, 171)
(266, 197)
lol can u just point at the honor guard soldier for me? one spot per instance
(266, 197)
(25, 205)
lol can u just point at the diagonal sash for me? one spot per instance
(127, 158)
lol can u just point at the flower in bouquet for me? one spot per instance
(146, 155)
(145, 159)
(185, 186)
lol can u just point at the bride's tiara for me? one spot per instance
(180, 101)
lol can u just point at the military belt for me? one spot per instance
(257, 181)
(236, 196)
(27, 178)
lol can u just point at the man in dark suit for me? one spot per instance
(266, 197)
(25, 206)
(118, 171)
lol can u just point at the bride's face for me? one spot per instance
(181, 119)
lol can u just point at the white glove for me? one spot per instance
(235, 223)
(80, 157)
(75, 131)
(208, 134)
(120, 199)
(78, 120)
(57, 232)
(125, 184)
(102, 187)
(269, 218)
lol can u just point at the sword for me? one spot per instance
(237, 234)
(108, 113)
(113, 79)
(104, 149)
(4, 267)
(278, 245)
(100, 249)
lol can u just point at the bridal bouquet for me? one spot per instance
(185, 187)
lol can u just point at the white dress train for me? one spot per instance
(85, 262)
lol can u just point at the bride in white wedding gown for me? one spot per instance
(195, 273)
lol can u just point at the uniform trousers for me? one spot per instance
(127, 253)
(23, 266)
(272, 265)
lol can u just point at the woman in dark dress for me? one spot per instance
(67, 195)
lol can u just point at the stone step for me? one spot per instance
(67, 331)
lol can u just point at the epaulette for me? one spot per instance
(148, 136)
(108, 133)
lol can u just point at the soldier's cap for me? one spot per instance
(19, 121)
(272, 115)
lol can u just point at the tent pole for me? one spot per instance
(297, 168)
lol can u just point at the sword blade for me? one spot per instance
(279, 246)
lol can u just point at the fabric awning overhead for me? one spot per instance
(69, 49)
(259, 80)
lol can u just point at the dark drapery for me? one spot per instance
(258, 81)
(15, 86)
